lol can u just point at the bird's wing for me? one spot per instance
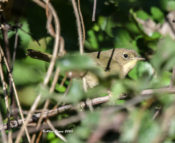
(102, 61)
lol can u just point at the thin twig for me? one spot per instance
(56, 44)
(15, 92)
(145, 94)
(94, 10)
(49, 71)
(4, 137)
(81, 42)
(5, 29)
(53, 112)
(11, 69)
(82, 22)
(61, 123)
(4, 85)
(56, 132)
(55, 79)
(15, 49)
(78, 26)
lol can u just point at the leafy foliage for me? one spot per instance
(117, 25)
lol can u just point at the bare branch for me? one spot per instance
(4, 137)
(49, 71)
(94, 10)
(145, 94)
(56, 132)
(15, 91)
(78, 26)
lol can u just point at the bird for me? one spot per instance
(116, 61)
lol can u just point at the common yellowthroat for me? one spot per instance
(115, 61)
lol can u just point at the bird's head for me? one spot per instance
(127, 59)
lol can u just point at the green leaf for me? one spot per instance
(140, 125)
(60, 88)
(157, 14)
(142, 69)
(91, 40)
(109, 27)
(168, 5)
(25, 73)
(132, 27)
(164, 58)
(77, 62)
(41, 45)
(76, 91)
(102, 22)
(23, 34)
(124, 40)
(27, 95)
(143, 15)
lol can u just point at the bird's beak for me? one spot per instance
(140, 58)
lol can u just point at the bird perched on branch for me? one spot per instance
(115, 61)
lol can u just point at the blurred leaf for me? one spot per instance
(154, 36)
(164, 58)
(91, 119)
(172, 127)
(53, 138)
(83, 132)
(124, 40)
(140, 125)
(149, 130)
(142, 69)
(25, 73)
(77, 62)
(143, 15)
(23, 34)
(132, 28)
(166, 99)
(96, 28)
(41, 45)
(50, 136)
(109, 27)
(74, 139)
(91, 41)
(102, 22)
(168, 5)
(76, 91)
(157, 14)
(147, 36)
(27, 95)
(165, 78)
(117, 89)
(60, 88)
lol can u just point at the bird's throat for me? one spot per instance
(127, 67)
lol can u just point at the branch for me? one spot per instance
(49, 71)
(50, 113)
(144, 95)
(94, 10)
(15, 91)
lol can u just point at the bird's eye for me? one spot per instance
(125, 56)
